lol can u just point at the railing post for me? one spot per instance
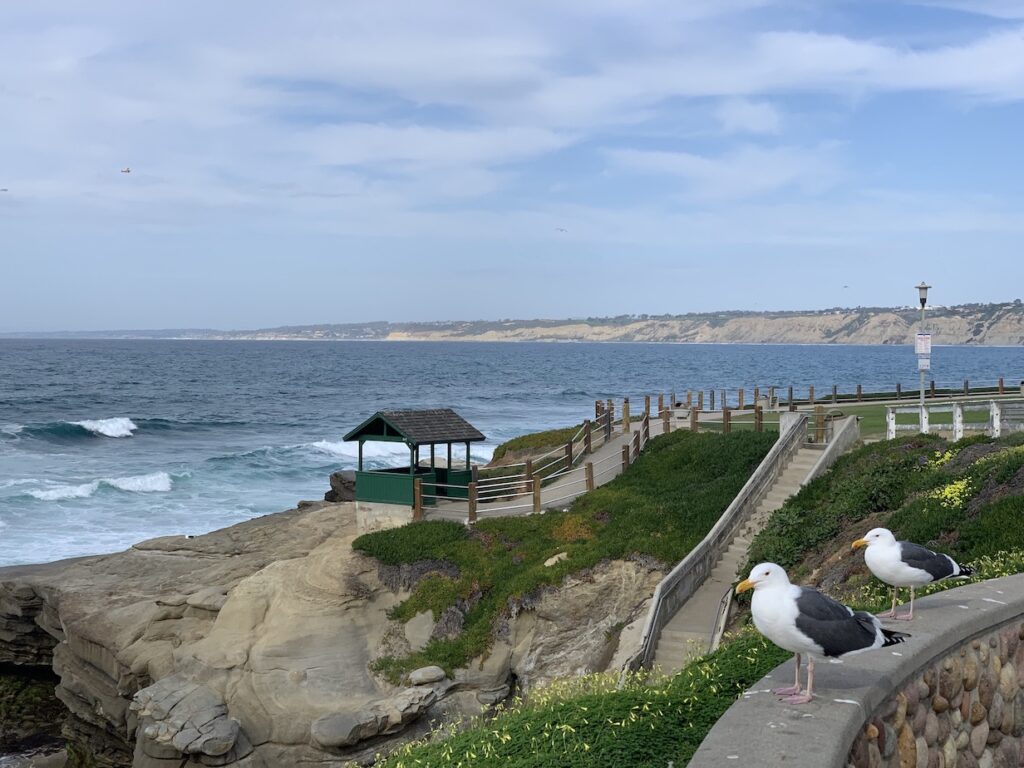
(672, 404)
(899, 390)
(528, 471)
(1001, 390)
(598, 405)
(694, 419)
(739, 396)
(417, 498)
(647, 405)
(790, 400)
(835, 394)
(536, 494)
(636, 444)
(625, 416)
(890, 423)
(712, 394)
(700, 400)
(472, 502)
(689, 398)
(758, 418)
(610, 410)
(588, 473)
(860, 393)
(757, 394)
(771, 397)
(666, 421)
(474, 473)
(726, 421)
(967, 387)
(995, 417)
(661, 403)
(932, 389)
(958, 421)
(568, 455)
(588, 444)
(625, 457)
(647, 428)
(819, 424)
(810, 394)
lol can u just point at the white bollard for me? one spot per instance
(958, 421)
(995, 419)
(890, 424)
(924, 419)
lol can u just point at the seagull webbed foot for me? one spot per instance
(788, 691)
(800, 698)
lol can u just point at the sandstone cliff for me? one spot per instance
(251, 646)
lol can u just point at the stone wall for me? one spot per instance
(965, 710)
(949, 697)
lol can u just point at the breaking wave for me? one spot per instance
(156, 482)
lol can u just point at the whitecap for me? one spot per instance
(11, 429)
(20, 481)
(61, 492)
(351, 450)
(119, 426)
(157, 482)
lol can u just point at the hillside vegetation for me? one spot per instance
(659, 509)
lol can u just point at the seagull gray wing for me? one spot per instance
(833, 626)
(935, 565)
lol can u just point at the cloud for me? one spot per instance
(749, 171)
(743, 116)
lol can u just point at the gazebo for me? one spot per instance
(394, 485)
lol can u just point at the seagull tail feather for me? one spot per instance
(965, 570)
(893, 638)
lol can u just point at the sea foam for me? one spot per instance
(156, 482)
(119, 426)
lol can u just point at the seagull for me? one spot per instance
(806, 622)
(561, 229)
(905, 564)
(4, 189)
(126, 170)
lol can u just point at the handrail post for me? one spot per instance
(417, 498)
(636, 444)
(1001, 390)
(647, 428)
(712, 394)
(647, 405)
(689, 398)
(932, 388)
(810, 394)
(835, 394)
(741, 403)
(899, 390)
(790, 402)
(757, 394)
(471, 496)
(588, 445)
(726, 421)
(536, 494)
(598, 405)
(666, 421)
(528, 471)
(661, 403)
(625, 416)
(588, 473)
(758, 418)
(673, 401)
(819, 424)
(694, 417)
(860, 393)
(625, 457)
(967, 387)
(700, 400)
(568, 455)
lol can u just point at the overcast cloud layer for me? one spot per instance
(345, 161)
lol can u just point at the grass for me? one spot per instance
(538, 442)
(589, 722)
(661, 508)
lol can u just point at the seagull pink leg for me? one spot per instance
(804, 698)
(908, 616)
(795, 688)
(892, 611)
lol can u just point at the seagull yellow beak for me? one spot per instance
(859, 543)
(744, 585)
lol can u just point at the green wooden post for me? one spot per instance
(472, 502)
(433, 461)
(467, 456)
(726, 421)
(412, 460)
(835, 394)
(360, 454)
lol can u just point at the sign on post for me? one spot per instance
(924, 363)
(923, 345)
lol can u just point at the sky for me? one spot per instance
(334, 161)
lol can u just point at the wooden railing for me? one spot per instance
(1002, 414)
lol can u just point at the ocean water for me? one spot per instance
(105, 443)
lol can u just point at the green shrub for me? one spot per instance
(537, 441)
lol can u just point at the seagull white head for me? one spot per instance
(764, 575)
(875, 536)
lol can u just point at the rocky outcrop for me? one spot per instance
(252, 646)
(343, 486)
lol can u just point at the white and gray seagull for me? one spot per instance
(806, 622)
(905, 564)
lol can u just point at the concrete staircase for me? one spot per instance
(688, 633)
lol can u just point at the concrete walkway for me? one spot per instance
(688, 633)
(607, 461)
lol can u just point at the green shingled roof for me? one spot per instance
(438, 425)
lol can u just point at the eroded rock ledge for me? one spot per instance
(251, 646)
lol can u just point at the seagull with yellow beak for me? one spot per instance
(905, 564)
(806, 622)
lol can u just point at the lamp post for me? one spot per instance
(922, 293)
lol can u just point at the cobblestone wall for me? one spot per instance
(964, 711)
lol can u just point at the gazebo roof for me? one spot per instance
(438, 425)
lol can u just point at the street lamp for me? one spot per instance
(923, 346)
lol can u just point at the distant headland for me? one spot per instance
(1000, 324)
